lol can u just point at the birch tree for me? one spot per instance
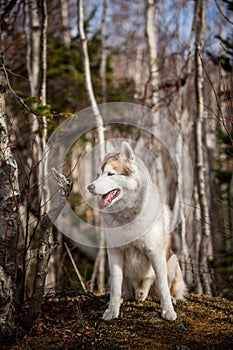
(104, 53)
(37, 72)
(152, 41)
(100, 260)
(33, 63)
(201, 181)
(184, 124)
(45, 250)
(43, 65)
(43, 171)
(65, 23)
(9, 221)
(37, 68)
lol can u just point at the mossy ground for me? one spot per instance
(75, 323)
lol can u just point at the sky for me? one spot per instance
(126, 23)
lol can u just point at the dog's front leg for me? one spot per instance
(159, 264)
(115, 260)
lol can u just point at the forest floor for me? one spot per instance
(75, 323)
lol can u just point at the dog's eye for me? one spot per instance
(110, 173)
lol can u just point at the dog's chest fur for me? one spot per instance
(136, 261)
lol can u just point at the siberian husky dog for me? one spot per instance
(137, 221)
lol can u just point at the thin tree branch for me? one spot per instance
(75, 268)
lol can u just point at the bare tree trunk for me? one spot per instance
(197, 242)
(37, 67)
(44, 251)
(37, 71)
(34, 47)
(152, 39)
(43, 65)
(87, 72)
(65, 23)
(42, 166)
(180, 191)
(33, 35)
(100, 130)
(9, 221)
(43, 171)
(184, 124)
(33, 67)
(104, 53)
(138, 74)
(199, 150)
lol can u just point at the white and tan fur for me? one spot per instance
(141, 261)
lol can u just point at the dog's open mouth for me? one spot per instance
(107, 198)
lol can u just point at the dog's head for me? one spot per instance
(116, 180)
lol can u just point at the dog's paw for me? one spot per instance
(140, 295)
(110, 313)
(169, 315)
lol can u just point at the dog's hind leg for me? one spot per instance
(143, 289)
(175, 279)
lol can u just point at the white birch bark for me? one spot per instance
(197, 242)
(33, 35)
(138, 73)
(65, 23)
(43, 171)
(50, 281)
(9, 222)
(104, 53)
(34, 47)
(88, 79)
(46, 247)
(200, 149)
(100, 129)
(43, 65)
(152, 40)
(180, 192)
(184, 126)
(37, 72)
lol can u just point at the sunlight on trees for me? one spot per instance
(59, 57)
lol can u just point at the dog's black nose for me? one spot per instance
(91, 188)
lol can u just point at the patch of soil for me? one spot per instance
(70, 323)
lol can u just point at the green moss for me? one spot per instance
(75, 323)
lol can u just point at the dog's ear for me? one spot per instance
(110, 148)
(127, 152)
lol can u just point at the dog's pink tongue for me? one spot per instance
(101, 203)
(106, 199)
